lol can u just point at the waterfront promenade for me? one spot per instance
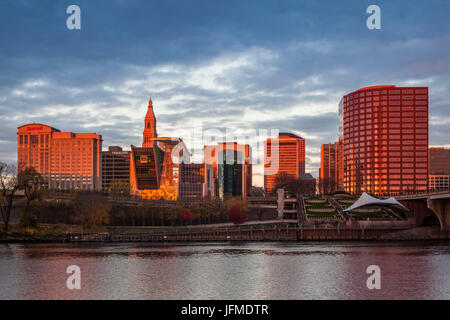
(282, 230)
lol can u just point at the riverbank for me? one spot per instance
(419, 233)
(24, 237)
(236, 234)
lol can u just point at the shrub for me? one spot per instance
(237, 214)
(28, 221)
(90, 209)
(186, 216)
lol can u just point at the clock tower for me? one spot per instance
(150, 126)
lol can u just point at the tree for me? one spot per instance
(237, 214)
(256, 192)
(307, 186)
(32, 183)
(202, 210)
(328, 185)
(304, 186)
(119, 190)
(237, 210)
(287, 182)
(186, 216)
(174, 212)
(28, 221)
(8, 187)
(91, 209)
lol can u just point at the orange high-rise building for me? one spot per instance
(285, 154)
(331, 173)
(230, 153)
(66, 160)
(385, 134)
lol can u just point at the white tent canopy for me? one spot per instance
(366, 199)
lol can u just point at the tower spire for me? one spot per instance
(150, 126)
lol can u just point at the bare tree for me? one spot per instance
(286, 181)
(32, 183)
(304, 186)
(256, 192)
(328, 185)
(307, 186)
(8, 187)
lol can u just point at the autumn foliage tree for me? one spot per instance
(237, 214)
(90, 209)
(186, 216)
(237, 210)
(119, 190)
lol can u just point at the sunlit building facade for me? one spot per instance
(385, 139)
(34, 143)
(154, 170)
(439, 178)
(439, 182)
(331, 172)
(115, 166)
(285, 154)
(66, 160)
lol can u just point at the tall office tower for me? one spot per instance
(439, 178)
(285, 154)
(115, 166)
(331, 173)
(196, 181)
(150, 126)
(231, 163)
(385, 136)
(66, 160)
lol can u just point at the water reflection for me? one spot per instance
(226, 271)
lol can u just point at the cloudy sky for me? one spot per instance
(242, 66)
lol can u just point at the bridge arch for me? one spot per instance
(431, 221)
(441, 208)
(421, 214)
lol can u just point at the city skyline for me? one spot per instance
(238, 157)
(286, 71)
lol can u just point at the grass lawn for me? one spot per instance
(323, 215)
(314, 198)
(365, 215)
(325, 205)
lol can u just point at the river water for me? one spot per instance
(322, 270)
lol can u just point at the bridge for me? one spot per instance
(426, 207)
